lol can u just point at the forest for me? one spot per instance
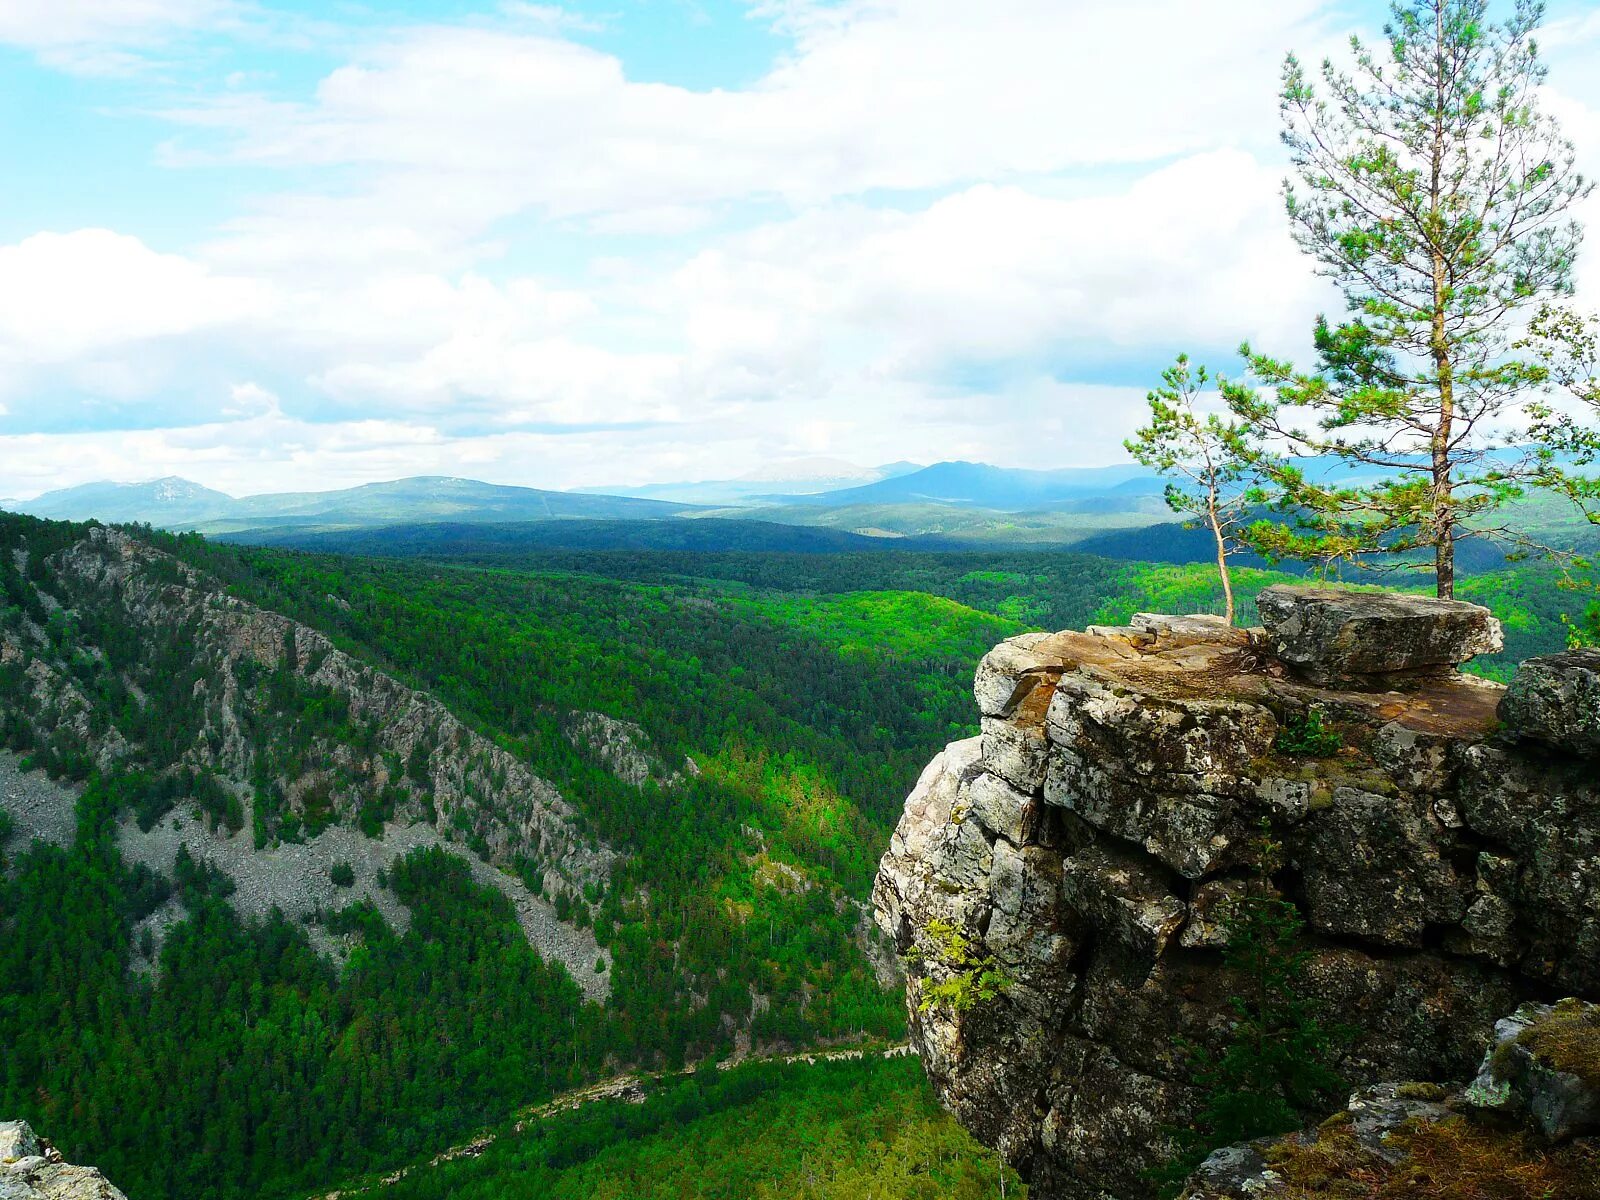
(807, 690)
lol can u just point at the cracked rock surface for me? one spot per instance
(31, 1169)
(1087, 843)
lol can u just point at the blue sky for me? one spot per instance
(294, 245)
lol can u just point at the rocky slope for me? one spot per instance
(1527, 1126)
(127, 658)
(1443, 849)
(31, 1169)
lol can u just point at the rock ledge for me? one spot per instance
(1086, 842)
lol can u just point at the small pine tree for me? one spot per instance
(1213, 462)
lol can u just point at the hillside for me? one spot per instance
(425, 840)
(266, 810)
(178, 504)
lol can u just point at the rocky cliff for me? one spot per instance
(1057, 886)
(31, 1169)
(127, 658)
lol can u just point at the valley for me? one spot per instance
(357, 798)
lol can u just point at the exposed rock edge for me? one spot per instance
(1447, 867)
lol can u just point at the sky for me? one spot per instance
(302, 245)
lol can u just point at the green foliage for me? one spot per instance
(1434, 192)
(1276, 1066)
(1213, 463)
(968, 977)
(342, 874)
(245, 1067)
(1307, 734)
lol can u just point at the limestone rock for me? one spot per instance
(30, 1169)
(1120, 894)
(1375, 868)
(1128, 782)
(1545, 1066)
(1010, 673)
(1556, 700)
(17, 1140)
(1335, 635)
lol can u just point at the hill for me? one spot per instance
(169, 503)
(979, 485)
(178, 504)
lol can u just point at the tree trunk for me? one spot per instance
(1222, 555)
(1444, 534)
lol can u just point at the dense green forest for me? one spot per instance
(806, 690)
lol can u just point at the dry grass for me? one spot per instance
(1448, 1160)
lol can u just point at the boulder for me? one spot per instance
(1556, 700)
(17, 1140)
(1544, 1067)
(31, 1169)
(1372, 639)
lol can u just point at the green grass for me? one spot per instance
(910, 625)
(824, 1131)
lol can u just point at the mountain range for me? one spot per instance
(769, 484)
(895, 499)
(180, 504)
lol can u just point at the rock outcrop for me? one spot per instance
(306, 737)
(1525, 1127)
(31, 1169)
(1544, 1068)
(1124, 787)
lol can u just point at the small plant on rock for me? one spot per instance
(1309, 736)
(973, 977)
(342, 874)
(1277, 1063)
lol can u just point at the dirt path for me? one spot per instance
(631, 1088)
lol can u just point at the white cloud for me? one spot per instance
(72, 295)
(968, 214)
(904, 94)
(105, 36)
(1196, 254)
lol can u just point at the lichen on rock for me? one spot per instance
(1089, 841)
(32, 1169)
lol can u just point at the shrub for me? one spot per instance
(973, 977)
(1309, 736)
(342, 874)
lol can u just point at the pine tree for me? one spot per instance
(1212, 462)
(1435, 193)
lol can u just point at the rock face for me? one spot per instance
(1339, 636)
(1544, 1067)
(30, 1169)
(1087, 843)
(1557, 700)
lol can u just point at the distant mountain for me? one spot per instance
(482, 540)
(800, 477)
(170, 502)
(978, 485)
(809, 470)
(180, 504)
